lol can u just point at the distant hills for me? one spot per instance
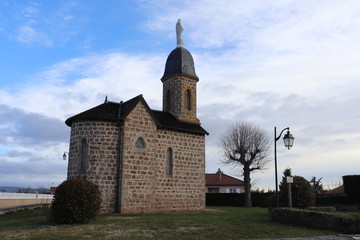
(9, 189)
(24, 190)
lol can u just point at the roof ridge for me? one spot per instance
(223, 174)
(118, 111)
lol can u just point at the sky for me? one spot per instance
(271, 63)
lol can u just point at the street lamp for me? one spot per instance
(288, 142)
(65, 155)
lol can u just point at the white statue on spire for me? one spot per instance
(179, 30)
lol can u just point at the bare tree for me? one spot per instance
(317, 185)
(247, 145)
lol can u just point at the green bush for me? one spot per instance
(303, 195)
(263, 199)
(76, 201)
(343, 223)
(322, 209)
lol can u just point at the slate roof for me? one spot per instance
(109, 111)
(168, 121)
(214, 179)
(180, 61)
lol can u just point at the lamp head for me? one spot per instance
(288, 140)
(64, 156)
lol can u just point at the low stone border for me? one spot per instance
(23, 207)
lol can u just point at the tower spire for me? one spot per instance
(179, 30)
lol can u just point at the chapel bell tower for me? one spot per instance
(179, 82)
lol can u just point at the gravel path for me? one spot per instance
(333, 237)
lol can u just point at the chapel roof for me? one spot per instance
(113, 112)
(180, 62)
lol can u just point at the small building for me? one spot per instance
(52, 190)
(145, 160)
(221, 183)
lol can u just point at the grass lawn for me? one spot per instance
(231, 223)
(353, 214)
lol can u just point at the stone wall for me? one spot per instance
(145, 185)
(184, 190)
(102, 138)
(138, 173)
(178, 86)
(5, 203)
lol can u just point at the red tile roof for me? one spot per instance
(217, 179)
(337, 190)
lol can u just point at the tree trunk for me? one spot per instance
(247, 186)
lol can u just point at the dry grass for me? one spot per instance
(227, 223)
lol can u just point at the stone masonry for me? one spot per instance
(101, 167)
(145, 187)
(177, 87)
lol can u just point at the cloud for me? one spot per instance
(37, 23)
(30, 128)
(72, 86)
(27, 34)
(33, 173)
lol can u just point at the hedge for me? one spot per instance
(351, 185)
(325, 200)
(322, 209)
(342, 223)
(342, 202)
(259, 199)
(225, 199)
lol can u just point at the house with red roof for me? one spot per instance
(221, 183)
(52, 190)
(336, 191)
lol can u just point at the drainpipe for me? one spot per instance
(119, 161)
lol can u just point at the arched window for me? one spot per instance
(188, 99)
(169, 161)
(84, 151)
(140, 143)
(168, 101)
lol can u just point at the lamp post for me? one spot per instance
(288, 142)
(289, 181)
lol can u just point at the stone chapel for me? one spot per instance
(145, 160)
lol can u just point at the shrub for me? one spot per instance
(343, 223)
(302, 193)
(322, 209)
(263, 199)
(76, 201)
